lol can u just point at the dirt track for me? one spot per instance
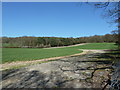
(24, 63)
(81, 71)
(68, 46)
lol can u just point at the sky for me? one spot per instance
(52, 19)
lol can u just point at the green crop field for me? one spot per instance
(26, 54)
(96, 46)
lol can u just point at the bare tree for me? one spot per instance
(112, 12)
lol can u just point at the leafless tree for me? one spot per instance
(111, 12)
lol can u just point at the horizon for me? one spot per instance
(54, 36)
(52, 19)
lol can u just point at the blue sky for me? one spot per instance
(49, 19)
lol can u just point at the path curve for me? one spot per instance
(84, 71)
(24, 63)
(67, 46)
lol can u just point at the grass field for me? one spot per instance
(97, 46)
(26, 54)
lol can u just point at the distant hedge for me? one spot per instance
(43, 42)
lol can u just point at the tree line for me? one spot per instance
(44, 42)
